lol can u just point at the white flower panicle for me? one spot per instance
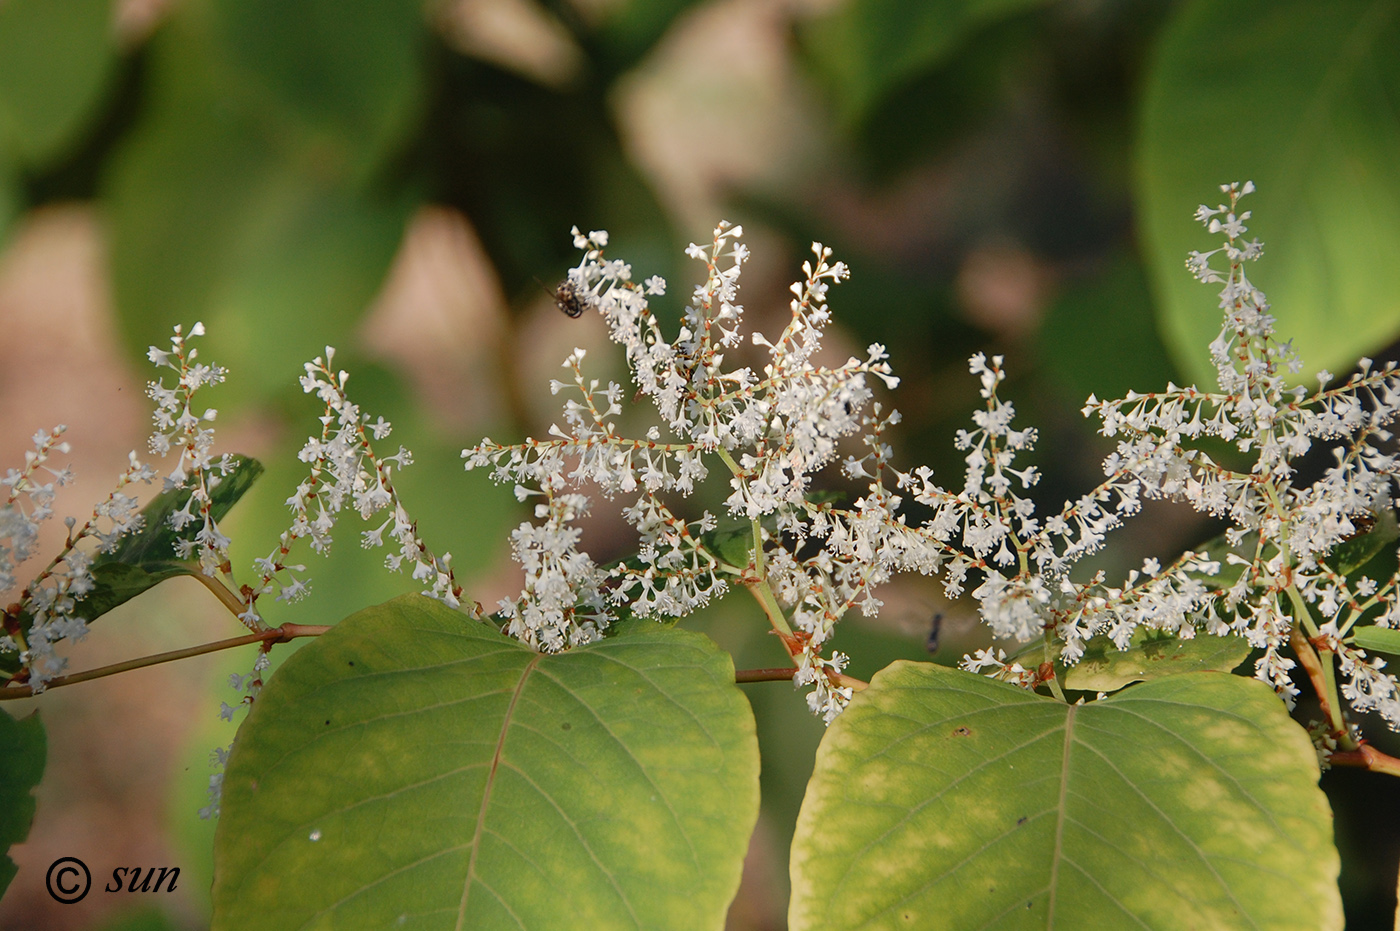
(563, 603)
(1285, 530)
(43, 613)
(990, 527)
(772, 429)
(51, 600)
(28, 503)
(181, 431)
(776, 428)
(346, 471)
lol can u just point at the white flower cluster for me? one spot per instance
(1277, 575)
(180, 430)
(45, 611)
(812, 560)
(773, 429)
(346, 470)
(51, 600)
(991, 528)
(1285, 531)
(43, 614)
(28, 503)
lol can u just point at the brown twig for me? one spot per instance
(1311, 662)
(780, 674)
(276, 635)
(227, 598)
(764, 675)
(1367, 757)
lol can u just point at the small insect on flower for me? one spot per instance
(1363, 524)
(569, 299)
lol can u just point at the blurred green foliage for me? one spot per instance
(256, 164)
(56, 60)
(1302, 100)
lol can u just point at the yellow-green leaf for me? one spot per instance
(1150, 655)
(416, 769)
(942, 799)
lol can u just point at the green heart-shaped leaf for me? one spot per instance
(942, 799)
(416, 769)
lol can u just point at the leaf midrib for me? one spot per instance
(490, 783)
(1060, 817)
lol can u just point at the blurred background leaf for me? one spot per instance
(346, 73)
(868, 48)
(9, 194)
(55, 59)
(250, 197)
(1113, 299)
(1301, 99)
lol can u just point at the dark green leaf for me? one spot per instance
(1116, 301)
(1299, 97)
(154, 545)
(1350, 555)
(413, 768)
(1150, 655)
(731, 540)
(344, 69)
(23, 750)
(146, 558)
(942, 799)
(55, 60)
(1377, 639)
(867, 48)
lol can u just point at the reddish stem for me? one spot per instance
(267, 637)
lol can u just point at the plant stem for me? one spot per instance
(778, 675)
(1321, 670)
(765, 675)
(274, 635)
(1367, 757)
(850, 682)
(758, 586)
(221, 591)
(1048, 659)
(763, 593)
(1324, 683)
